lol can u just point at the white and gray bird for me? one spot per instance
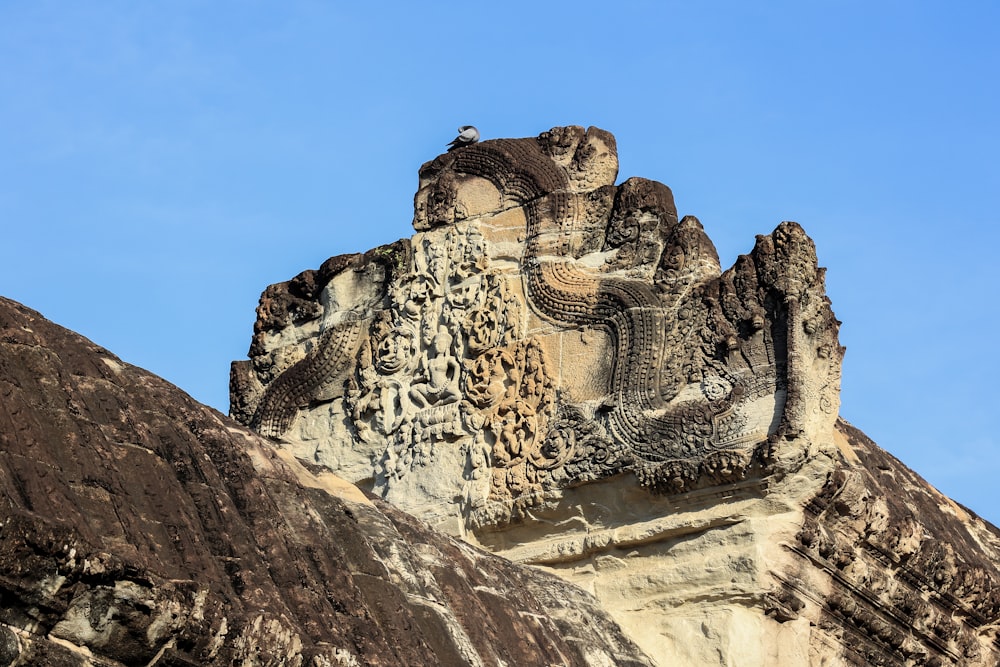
(466, 135)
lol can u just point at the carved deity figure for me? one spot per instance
(395, 350)
(435, 260)
(439, 377)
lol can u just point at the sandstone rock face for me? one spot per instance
(557, 368)
(138, 527)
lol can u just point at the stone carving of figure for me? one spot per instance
(439, 381)
(413, 298)
(485, 382)
(395, 350)
(436, 260)
(470, 254)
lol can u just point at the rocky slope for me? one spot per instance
(138, 527)
(557, 368)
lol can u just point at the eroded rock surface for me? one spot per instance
(556, 367)
(138, 527)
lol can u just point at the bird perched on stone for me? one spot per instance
(466, 135)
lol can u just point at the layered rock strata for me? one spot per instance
(557, 368)
(138, 527)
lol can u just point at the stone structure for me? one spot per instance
(556, 367)
(139, 528)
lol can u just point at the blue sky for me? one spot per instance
(161, 163)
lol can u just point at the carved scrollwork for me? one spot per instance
(623, 230)
(555, 450)
(582, 447)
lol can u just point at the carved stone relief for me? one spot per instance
(461, 355)
(552, 352)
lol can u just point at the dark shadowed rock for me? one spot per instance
(138, 527)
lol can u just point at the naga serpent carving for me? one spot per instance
(669, 438)
(328, 365)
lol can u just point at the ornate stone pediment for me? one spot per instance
(556, 367)
(545, 328)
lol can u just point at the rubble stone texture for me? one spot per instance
(556, 368)
(138, 527)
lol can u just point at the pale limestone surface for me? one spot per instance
(556, 368)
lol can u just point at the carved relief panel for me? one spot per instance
(460, 357)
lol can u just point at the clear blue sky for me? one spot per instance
(162, 162)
